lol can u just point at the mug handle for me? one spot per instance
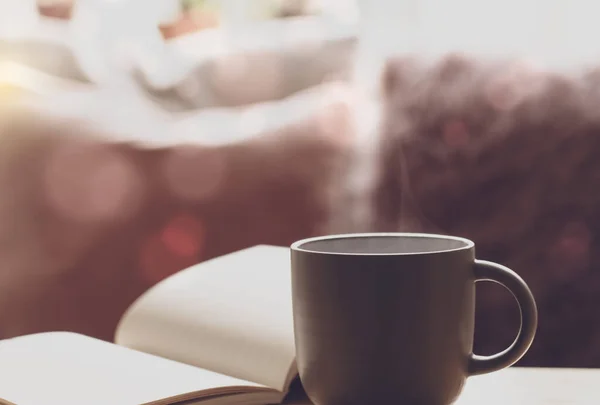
(489, 271)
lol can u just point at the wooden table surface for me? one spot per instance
(524, 386)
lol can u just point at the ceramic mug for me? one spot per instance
(388, 318)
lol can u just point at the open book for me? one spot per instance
(220, 332)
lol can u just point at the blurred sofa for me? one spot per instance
(121, 165)
(89, 222)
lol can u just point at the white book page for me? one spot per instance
(60, 368)
(231, 315)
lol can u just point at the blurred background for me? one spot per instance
(139, 137)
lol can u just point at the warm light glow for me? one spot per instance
(17, 80)
(178, 245)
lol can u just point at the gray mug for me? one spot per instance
(389, 318)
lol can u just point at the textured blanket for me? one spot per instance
(506, 154)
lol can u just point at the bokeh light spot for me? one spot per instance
(183, 236)
(178, 245)
(87, 182)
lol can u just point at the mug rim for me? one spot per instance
(467, 243)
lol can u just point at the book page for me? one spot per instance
(231, 315)
(61, 368)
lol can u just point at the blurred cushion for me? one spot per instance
(88, 222)
(248, 62)
(505, 153)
